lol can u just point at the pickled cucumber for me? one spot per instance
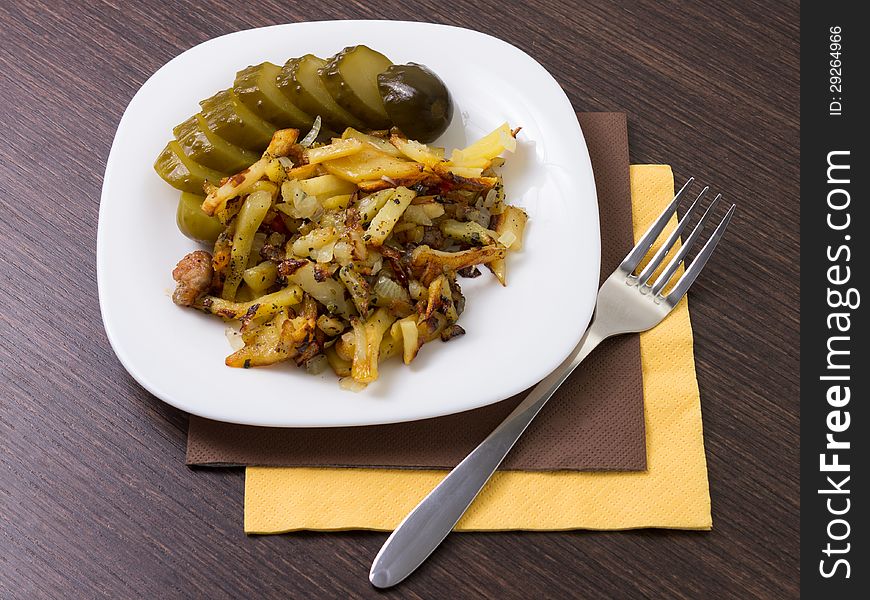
(416, 100)
(351, 77)
(301, 83)
(193, 222)
(209, 149)
(256, 88)
(182, 172)
(227, 117)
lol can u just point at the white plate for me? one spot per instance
(515, 335)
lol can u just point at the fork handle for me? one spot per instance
(428, 524)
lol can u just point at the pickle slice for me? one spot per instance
(193, 222)
(255, 87)
(301, 82)
(182, 172)
(228, 118)
(351, 77)
(210, 150)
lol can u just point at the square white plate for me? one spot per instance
(515, 335)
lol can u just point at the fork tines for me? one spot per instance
(645, 279)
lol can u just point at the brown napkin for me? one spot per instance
(594, 422)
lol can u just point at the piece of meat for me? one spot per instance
(193, 275)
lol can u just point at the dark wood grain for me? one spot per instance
(94, 498)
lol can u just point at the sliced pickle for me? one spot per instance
(256, 88)
(301, 83)
(193, 222)
(182, 172)
(211, 150)
(416, 100)
(227, 117)
(351, 77)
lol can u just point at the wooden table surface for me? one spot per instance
(94, 497)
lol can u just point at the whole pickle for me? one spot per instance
(416, 100)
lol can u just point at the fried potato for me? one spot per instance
(374, 141)
(416, 151)
(304, 172)
(247, 223)
(387, 217)
(371, 164)
(322, 288)
(509, 226)
(337, 149)
(477, 184)
(340, 366)
(266, 345)
(454, 261)
(512, 221)
(486, 148)
(237, 185)
(326, 186)
(468, 232)
(367, 344)
(264, 306)
(282, 142)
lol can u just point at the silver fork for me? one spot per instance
(626, 303)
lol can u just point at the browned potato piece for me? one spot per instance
(282, 142)
(371, 164)
(266, 347)
(453, 261)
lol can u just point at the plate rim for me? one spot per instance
(155, 389)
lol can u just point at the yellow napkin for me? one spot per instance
(672, 493)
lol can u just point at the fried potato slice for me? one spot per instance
(237, 185)
(486, 148)
(453, 261)
(264, 306)
(371, 164)
(374, 141)
(282, 142)
(416, 151)
(265, 345)
(337, 149)
(477, 184)
(509, 226)
(367, 344)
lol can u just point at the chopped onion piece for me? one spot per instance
(325, 253)
(376, 267)
(416, 214)
(387, 290)
(306, 206)
(351, 385)
(480, 216)
(343, 252)
(234, 337)
(311, 135)
(507, 239)
(490, 200)
(317, 364)
(433, 210)
(416, 289)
